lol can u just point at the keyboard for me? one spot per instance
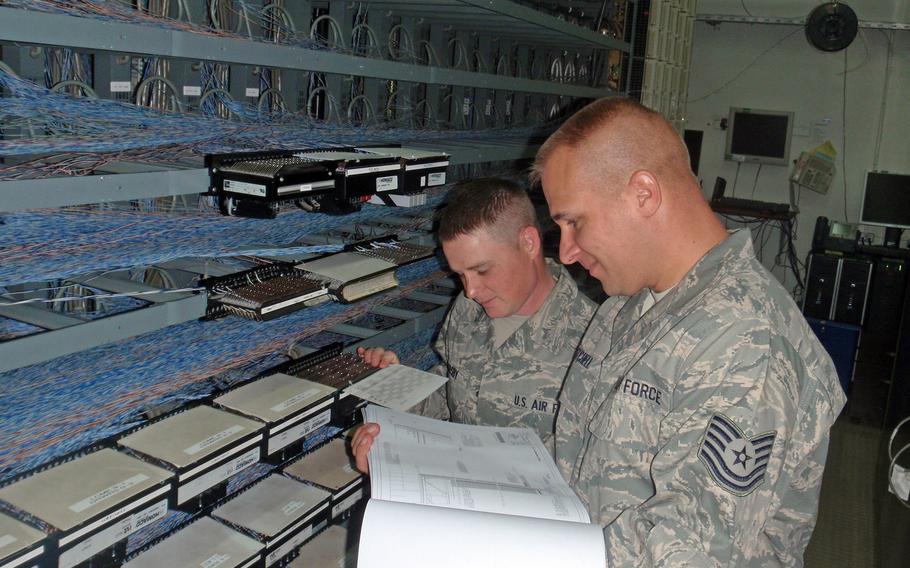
(750, 205)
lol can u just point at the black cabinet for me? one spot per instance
(869, 287)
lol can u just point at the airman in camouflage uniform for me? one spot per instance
(507, 342)
(515, 384)
(694, 426)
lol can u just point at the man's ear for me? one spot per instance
(529, 240)
(645, 191)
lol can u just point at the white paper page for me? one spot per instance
(498, 470)
(403, 535)
(397, 386)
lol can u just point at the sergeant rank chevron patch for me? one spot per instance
(737, 463)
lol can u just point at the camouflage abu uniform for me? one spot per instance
(697, 433)
(516, 384)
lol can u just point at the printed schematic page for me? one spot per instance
(476, 468)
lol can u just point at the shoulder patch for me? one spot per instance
(737, 463)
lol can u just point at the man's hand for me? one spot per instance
(361, 444)
(378, 357)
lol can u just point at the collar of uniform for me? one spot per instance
(549, 325)
(715, 263)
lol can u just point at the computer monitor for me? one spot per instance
(886, 200)
(761, 136)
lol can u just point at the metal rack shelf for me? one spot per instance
(55, 343)
(39, 28)
(505, 19)
(17, 195)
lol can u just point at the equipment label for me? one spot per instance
(293, 434)
(287, 547)
(347, 503)
(217, 475)
(214, 560)
(192, 91)
(107, 493)
(244, 187)
(118, 531)
(438, 178)
(296, 399)
(387, 183)
(213, 439)
(121, 87)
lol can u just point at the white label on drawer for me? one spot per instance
(217, 475)
(466, 106)
(347, 503)
(292, 301)
(287, 547)
(489, 108)
(371, 170)
(426, 166)
(107, 493)
(387, 183)
(28, 558)
(121, 87)
(291, 435)
(109, 536)
(7, 540)
(213, 439)
(508, 108)
(214, 560)
(192, 90)
(244, 187)
(423, 181)
(438, 178)
(290, 508)
(252, 91)
(296, 399)
(304, 187)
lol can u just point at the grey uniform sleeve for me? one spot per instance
(737, 475)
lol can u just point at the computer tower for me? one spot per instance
(883, 313)
(875, 359)
(898, 406)
(852, 291)
(821, 286)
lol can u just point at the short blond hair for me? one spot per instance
(596, 118)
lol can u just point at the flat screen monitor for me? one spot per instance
(761, 136)
(886, 200)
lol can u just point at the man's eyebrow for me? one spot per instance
(478, 266)
(559, 216)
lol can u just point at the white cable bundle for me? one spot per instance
(893, 457)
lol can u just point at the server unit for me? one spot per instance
(852, 291)
(837, 288)
(821, 286)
